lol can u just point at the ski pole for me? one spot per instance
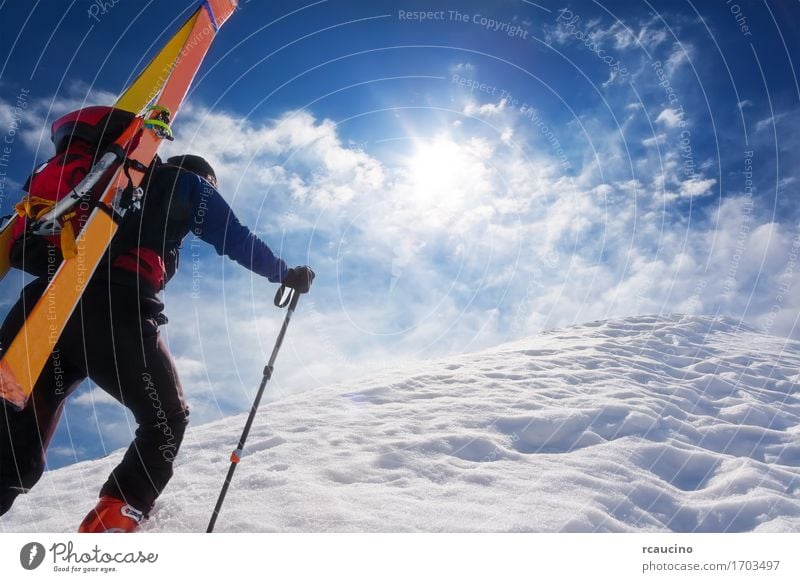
(291, 300)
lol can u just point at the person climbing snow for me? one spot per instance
(113, 338)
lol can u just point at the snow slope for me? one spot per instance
(643, 424)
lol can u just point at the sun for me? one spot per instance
(437, 170)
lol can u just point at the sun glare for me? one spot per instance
(437, 170)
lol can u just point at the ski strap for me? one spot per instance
(34, 207)
(284, 298)
(280, 300)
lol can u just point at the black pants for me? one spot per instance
(113, 339)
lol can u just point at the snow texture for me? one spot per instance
(687, 424)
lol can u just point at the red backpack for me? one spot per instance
(80, 138)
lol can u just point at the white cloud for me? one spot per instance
(697, 187)
(630, 186)
(682, 53)
(657, 139)
(93, 397)
(6, 116)
(619, 36)
(295, 153)
(602, 191)
(669, 117)
(626, 37)
(650, 37)
(473, 109)
(613, 76)
(622, 37)
(769, 122)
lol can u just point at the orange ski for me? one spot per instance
(164, 83)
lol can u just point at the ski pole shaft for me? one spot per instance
(236, 455)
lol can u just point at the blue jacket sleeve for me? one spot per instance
(215, 223)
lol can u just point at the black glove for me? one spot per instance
(299, 279)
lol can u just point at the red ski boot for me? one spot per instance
(112, 515)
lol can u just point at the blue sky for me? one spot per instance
(458, 181)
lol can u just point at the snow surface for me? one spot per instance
(643, 424)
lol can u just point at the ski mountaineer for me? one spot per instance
(113, 338)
